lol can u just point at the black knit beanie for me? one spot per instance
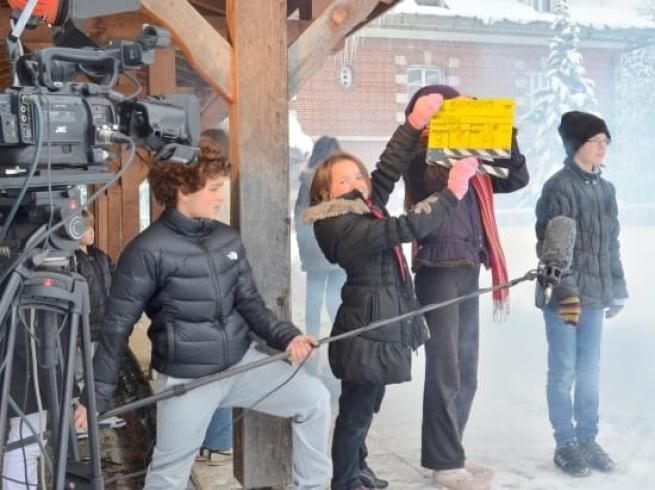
(577, 127)
(446, 91)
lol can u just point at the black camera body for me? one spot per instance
(71, 129)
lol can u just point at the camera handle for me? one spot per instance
(47, 57)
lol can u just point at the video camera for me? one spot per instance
(62, 117)
(83, 118)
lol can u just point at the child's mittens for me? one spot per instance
(425, 107)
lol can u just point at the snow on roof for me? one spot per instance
(598, 14)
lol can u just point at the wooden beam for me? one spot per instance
(308, 53)
(205, 49)
(212, 113)
(260, 194)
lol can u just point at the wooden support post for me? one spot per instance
(161, 80)
(260, 186)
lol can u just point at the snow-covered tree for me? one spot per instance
(633, 131)
(566, 88)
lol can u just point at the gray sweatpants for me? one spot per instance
(182, 421)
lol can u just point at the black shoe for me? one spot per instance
(369, 480)
(570, 459)
(595, 456)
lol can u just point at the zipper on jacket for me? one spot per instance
(219, 297)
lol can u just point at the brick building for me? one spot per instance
(496, 48)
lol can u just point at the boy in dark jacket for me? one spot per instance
(355, 231)
(189, 273)
(594, 285)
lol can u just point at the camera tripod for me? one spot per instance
(59, 301)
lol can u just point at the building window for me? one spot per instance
(541, 5)
(420, 76)
(345, 77)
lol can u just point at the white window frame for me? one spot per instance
(425, 79)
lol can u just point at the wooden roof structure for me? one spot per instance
(254, 55)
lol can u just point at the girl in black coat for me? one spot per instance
(355, 231)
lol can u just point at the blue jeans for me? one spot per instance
(322, 285)
(573, 363)
(219, 432)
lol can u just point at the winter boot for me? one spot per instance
(595, 456)
(569, 459)
(458, 479)
(370, 479)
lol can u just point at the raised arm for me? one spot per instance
(397, 155)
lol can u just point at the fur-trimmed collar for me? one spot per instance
(333, 208)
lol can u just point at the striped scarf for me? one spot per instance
(485, 194)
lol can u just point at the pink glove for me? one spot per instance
(460, 174)
(425, 107)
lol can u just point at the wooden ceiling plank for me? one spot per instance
(205, 49)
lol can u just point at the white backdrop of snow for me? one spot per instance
(599, 14)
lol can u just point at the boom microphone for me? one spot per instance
(556, 253)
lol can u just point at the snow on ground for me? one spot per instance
(509, 429)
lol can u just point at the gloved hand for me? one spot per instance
(424, 108)
(569, 310)
(613, 310)
(460, 174)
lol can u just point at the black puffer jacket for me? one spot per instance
(459, 240)
(362, 245)
(193, 281)
(596, 275)
(96, 267)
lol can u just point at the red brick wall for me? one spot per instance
(368, 109)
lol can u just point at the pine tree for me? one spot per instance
(629, 169)
(566, 89)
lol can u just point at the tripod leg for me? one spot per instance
(65, 412)
(87, 355)
(7, 299)
(6, 379)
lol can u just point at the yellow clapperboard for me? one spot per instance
(472, 127)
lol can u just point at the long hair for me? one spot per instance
(320, 190)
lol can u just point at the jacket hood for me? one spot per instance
(336, 207)
(176, 221)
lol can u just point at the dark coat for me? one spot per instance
(311, 257)
(596, 275)
(97, 268)
(192, 279)
(362, 245)
(460, 239)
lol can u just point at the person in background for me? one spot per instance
(97, 268)
(355, 231)
(323, 279)
(594, 288)
(447, 265)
